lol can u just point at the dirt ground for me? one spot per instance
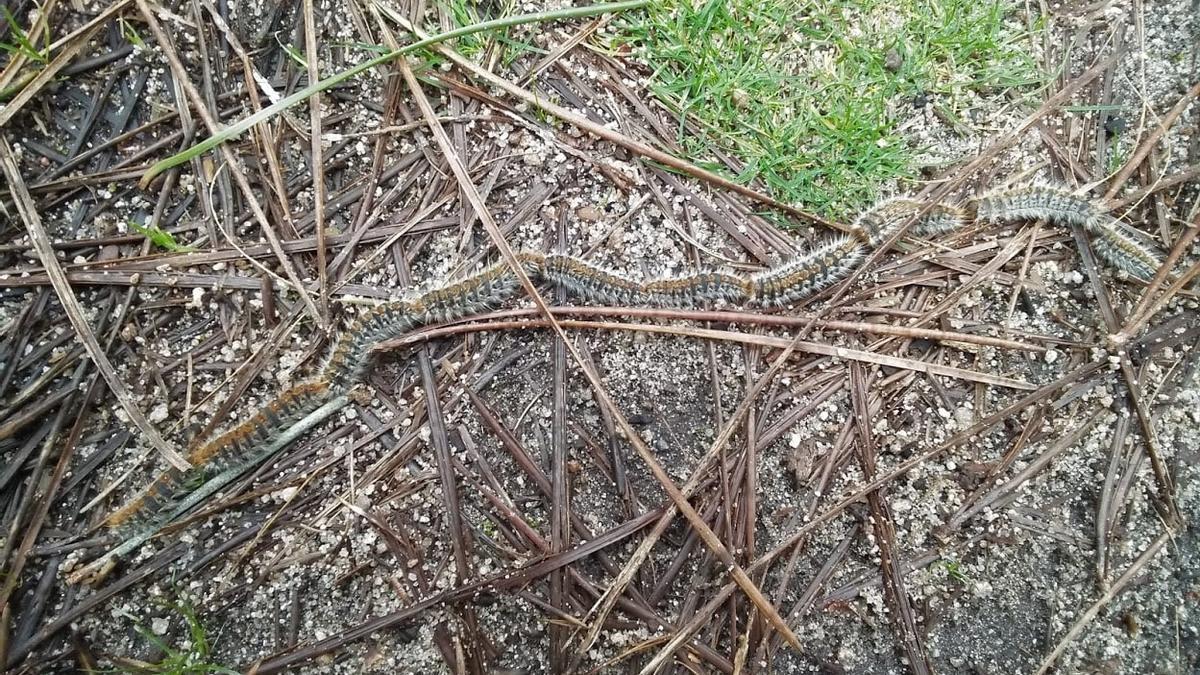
(1038, 506)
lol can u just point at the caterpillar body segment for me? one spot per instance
(219, 454)
(135, 510)
(941, 219)
(1036, 202)
(879, 223)
(1125, 248)
(807, 274)
(590, 282)
(698, 290)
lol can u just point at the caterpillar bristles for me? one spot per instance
(880, 222)
(220, 453)
(698, 290)
(590, 282)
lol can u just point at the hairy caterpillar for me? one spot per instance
(1036, 202)
(219, 454)
(219, 460)
(808, 274)
(1125, 248)
(876, 225)
(1117, 243)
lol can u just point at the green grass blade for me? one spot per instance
(246, 123)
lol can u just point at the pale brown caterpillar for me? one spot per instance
(1127, 249)
(880, 222)
(220, 454)
(808, 274)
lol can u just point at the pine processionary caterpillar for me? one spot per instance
(219, 454)
(591, 283)
(1036, 202)
(1120, 245)
(711, 287)
(808, 274)
(1125, 248)
(880, 222)
(273, 426)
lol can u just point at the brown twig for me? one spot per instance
(883, 522)
(1150, 141)
(1118, 586)
(728, 336)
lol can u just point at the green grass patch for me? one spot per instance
(809, 94)
(466, 13)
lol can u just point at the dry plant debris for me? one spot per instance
(508, 496)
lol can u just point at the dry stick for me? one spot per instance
(1186, 175)
(1019, 286)
(731, 317)
(1010, 250)
(822, 349)
(1162, 474)
(884, 524)
(1119, 585)
(904, 467)
(1007, 491)
(460, 543)
(631, 434)
(316, 161)
(41, 244)
(265, 135)
(214, 126)
(1147, 145)
(29, 515)
(606, 603)
(560, 500)
(1105, 513)
(566, 46)
(503, 580)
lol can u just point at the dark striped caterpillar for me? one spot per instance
(222, 459)
(1123, 247)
